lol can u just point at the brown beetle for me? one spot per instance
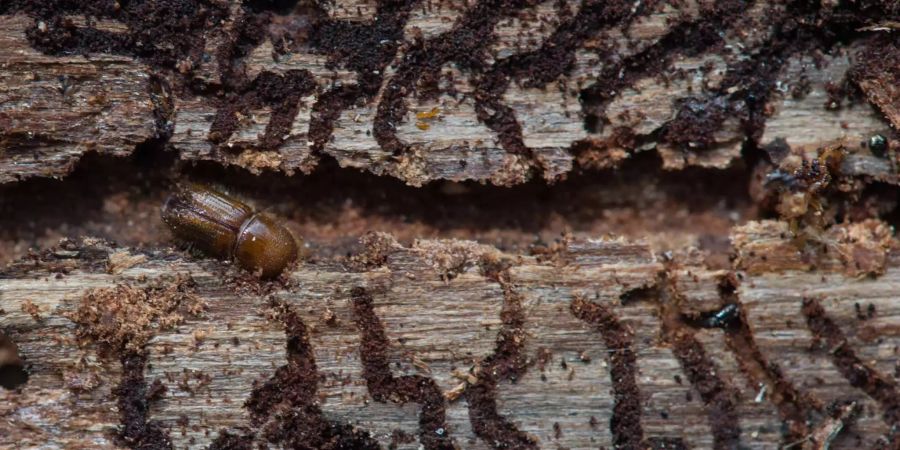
(223, 226)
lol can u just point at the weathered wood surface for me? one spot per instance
(54, 109)
(598, 343)
(593, 343)
(425, 90)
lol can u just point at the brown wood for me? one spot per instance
(439, 304)
(788, 337)
(57, 108)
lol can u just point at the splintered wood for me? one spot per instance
(55, 109)
(599, 344)
(535, 89)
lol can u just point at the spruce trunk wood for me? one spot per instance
(598, 343)
(593, 343)
(423, 90)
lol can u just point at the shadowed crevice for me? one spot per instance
(720, 398)
(286, 407)
(625, 422)
(508, 362)
(859, 374)
(385, 387)
(136, 430)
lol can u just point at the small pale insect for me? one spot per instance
(224, 227)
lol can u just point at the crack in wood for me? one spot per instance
(464, 44)
(721, 399)
(795, 407)
(860, 375)
(625, 422)
(507, 362)
(385, 387)
(12, 368)
(286, 406)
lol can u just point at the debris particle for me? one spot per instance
(32, 310)
(123, 319)
(428, 114)
(122, 260)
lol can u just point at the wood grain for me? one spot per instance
(53, 110)
(591, 343)
(439, 303)
(56, 108)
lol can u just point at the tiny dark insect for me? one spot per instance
(723, 317)
(224, 227)
(878, 144)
